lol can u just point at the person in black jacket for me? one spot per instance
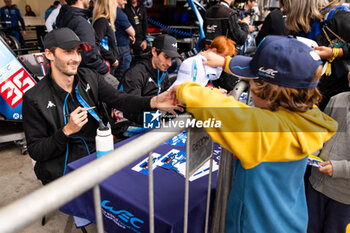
(74, 16)
(273, 25)
(104, 15)
(137, 16)
(220, 19)
(57, 127)
(148, 77)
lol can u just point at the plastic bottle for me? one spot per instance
(104, 140)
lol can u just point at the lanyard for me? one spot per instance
(194, 70)
(137, 10)
(86, 105)
(160, 80)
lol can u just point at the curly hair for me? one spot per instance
(296, 100)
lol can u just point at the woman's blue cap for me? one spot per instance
(280, 60)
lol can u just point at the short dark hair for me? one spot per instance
(56, 3)
(71, 2)
(53, 49)
(158, 51)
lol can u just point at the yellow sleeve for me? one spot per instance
(252, 134)
(227, 65)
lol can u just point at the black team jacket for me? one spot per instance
(44, 118)
(77, 20)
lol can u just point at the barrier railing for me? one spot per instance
(32, 207)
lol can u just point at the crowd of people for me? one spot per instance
(300, 95)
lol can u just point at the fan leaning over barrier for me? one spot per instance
(271, 140)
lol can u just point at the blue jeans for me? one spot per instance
(124, 62)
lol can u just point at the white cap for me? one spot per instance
(104, 132)
(192, 69)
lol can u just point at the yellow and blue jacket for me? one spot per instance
(268, 191)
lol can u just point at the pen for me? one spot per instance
(85, 109)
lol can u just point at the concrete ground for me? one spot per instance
(17, 179)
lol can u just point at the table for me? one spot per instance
(124, 198)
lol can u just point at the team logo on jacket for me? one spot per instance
(50, 104)
(87, 88)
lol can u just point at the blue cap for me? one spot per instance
(279, 60)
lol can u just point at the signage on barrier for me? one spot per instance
(199, 148)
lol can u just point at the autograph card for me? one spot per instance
(178, 140)
(142, 167)
(314, 161)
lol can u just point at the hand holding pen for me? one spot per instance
(84, 109)
(77, 119)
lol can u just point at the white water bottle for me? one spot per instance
(104, 140)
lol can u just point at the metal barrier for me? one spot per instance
(32, 207)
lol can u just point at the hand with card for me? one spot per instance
(314, 161)
(323, 166)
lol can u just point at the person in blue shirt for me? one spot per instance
(9, 16)
(125, 34)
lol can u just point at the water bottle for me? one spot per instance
(104, 140)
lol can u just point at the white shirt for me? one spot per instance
(51, 20)
(192, 69)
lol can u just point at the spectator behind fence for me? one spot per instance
(74, 17)
(57, 127)
(149, 77)
(328, 193)
(248, 10)
(220, 19)
(29, 11)
(273, 25)
(51, 8)
(103, 22)
(327, 24)
(192, 69)
(90, 10)
(271, 140)
(50, 22)
(137, 16)
(125, 34)
(10, 15)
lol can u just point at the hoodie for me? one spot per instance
(143, 80)
(77, 20)
(268, 193)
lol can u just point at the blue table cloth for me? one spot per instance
(124, 198)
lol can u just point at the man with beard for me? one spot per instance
(58, 126)
(148, 77)
(74, 15)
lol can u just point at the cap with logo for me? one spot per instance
(167, 44)
(64, 38)
(280, 60)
